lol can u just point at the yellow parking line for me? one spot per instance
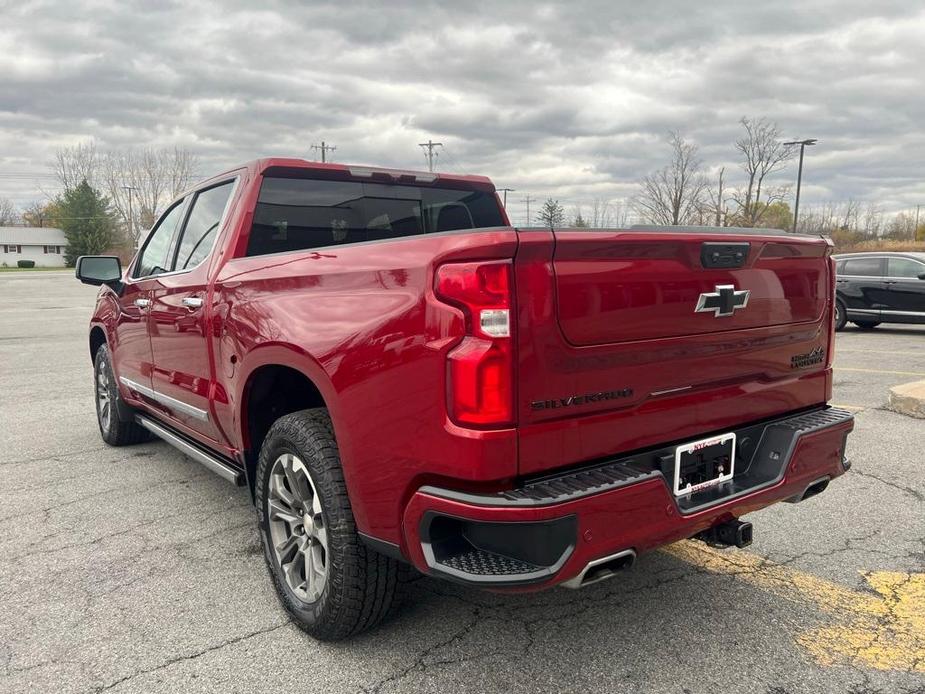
(882, 627)
(881, 371)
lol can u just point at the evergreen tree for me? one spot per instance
(552, 214)
(87, 220)
(579, 222)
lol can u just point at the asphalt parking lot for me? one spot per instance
(136, 570)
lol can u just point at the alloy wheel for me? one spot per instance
(297, 528)
(103, 400)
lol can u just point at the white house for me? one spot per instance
(44, 245)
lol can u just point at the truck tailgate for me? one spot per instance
(629, 339)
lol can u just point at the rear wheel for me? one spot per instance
(114, 428)
(866, 325)
(331, 584)
(840, 318)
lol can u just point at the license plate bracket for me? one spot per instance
(703, 464)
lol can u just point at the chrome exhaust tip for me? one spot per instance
(602, 569)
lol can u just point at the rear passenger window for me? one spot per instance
(904, 267)
(296, 214)
(864, 267)
(202, 226)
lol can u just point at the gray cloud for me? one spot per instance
(572, 100)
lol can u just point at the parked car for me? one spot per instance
(881, 287)
(401, 378)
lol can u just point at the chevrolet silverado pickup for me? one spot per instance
(403, 379)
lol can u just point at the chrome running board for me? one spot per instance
(212, 462)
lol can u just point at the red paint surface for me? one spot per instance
(593, 311)
(642, 516)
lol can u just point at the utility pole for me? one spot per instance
(325, 148)
(915, 232)
(796, 208)
(506, 191)
(719, 198)
(131, 215)
(528, 200)
(429, 146)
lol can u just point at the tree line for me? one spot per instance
(682, 193)
(109, 198)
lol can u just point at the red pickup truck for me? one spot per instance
(401, 377)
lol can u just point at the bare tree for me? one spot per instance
(75, 164)
(8, 213)
(849, 214)
(181, 163)
(716, 201)
(601, 213)
(674, 195)
(901, 227)
(872, 224)
(139, 182)
(763, 154)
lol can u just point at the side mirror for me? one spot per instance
(922, 276)
(99, 269)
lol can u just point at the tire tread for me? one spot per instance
(363, 585)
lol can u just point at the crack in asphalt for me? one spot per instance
(914, 493)
(191, 656)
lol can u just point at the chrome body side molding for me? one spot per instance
(166, 400)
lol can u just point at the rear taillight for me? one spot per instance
(480, 369)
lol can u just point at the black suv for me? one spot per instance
(874, 288)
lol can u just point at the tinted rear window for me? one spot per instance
(864, 267)
(295, 214)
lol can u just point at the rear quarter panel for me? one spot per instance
(362, 323)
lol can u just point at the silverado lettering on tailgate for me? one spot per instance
(581, 399)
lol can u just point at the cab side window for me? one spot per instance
(904, 267)
(202, 225)
(153, 259)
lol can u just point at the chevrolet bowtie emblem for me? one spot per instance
(723, 302)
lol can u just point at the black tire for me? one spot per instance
(115, 427)
(866, 325)
(361, 587)
(840, 317)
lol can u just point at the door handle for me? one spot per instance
(142, 303)
(192, 301)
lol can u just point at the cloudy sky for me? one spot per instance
(572, 100)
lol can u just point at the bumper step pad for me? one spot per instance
(479, 562)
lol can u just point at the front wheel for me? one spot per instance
(114, 428)
(330, 583)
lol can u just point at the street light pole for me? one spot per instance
(131, 216)
(796, 208)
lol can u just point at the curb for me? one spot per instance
(909, 399)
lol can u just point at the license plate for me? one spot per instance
(703, 464)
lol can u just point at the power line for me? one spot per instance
(325, 148)
(429, 146)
